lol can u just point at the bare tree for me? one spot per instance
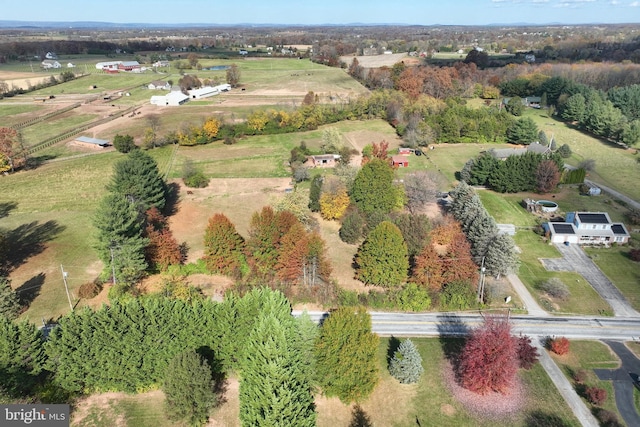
(421, 188)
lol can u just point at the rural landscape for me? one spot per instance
(375, 225)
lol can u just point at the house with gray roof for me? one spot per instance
(587, 228)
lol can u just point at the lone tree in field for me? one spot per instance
(124, 143)
(489, 360)
(346, 355)
(522, 131)
(233, 75)
(406, 365)
(189, 389)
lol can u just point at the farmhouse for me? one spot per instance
(48, 64)
(400, 161)
(587, 228)
(324, 160)
(159, 85)
(171, 99)
(85, 141)
(160, 64)
(534, 147)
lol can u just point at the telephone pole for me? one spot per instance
(66, 287)
(481, 284)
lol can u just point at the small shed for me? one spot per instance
(400, 161)
(404, 151)
(324, 160)
(85, 141)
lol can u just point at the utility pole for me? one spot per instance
(481, 284)
(66, 287)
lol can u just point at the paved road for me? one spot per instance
(623, 378)
(615, 194)
(575, 259)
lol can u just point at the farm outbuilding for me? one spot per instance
(171, 99)
(400, 161)
(324, 160)
(85, 141)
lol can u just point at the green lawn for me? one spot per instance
(55, 126)
(620, 269)
(589, 355)
(506, 208)
(615, 167)
(583, 300)
(391, 404)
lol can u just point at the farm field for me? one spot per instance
(391, 404)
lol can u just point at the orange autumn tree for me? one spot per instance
(223, 247)
(163, 249)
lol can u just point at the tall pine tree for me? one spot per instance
(383, 258)
(138, 178)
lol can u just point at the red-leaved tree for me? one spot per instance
(527, 353)
(547, 176)
(489, 359)
(223, 246)
(559, 346)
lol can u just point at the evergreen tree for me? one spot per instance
(123, 143)
(406, 364)
(138, 178)
(223, 246)
(574, 108)
(480, 234)
(346, 355)
(120, 244)
(308, 332)
(501, 257)
(415, 231)
(314, 193)
(189, 388)
(275, 388)
(9, 301)
(522, 131)
(22, 357)
(383, 258)
(373, 189)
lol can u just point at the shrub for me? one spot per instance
(556, 288)
(634, 254)
(123, 143)
(607, 418)
(527, 353)
(197, 180)
(412, 298)
(596, 395)
(89, 290)
(580, 376)
(559, 346)
(456, 296)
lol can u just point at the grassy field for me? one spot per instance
(583, 300)
(618, 267)
(49, 210)
(616, 167)
(589, 355)
(430, 401)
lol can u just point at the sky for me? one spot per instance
(310, 12)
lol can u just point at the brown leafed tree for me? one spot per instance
(223, 246)
(163, 249)
(489, 359)
(547, 176)
(292, 254)
(265, 234)
(410, 82)
(457, 262)
(428, 269)
(317, 262)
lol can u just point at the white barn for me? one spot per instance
(171, 99)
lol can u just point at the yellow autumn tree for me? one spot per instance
(334, 205)
(211, 127)
(257, 120)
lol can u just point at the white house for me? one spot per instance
(159, 85)
(160, 64)
(50, 63)
(171, 99)
(70, 65)
(587, 228)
